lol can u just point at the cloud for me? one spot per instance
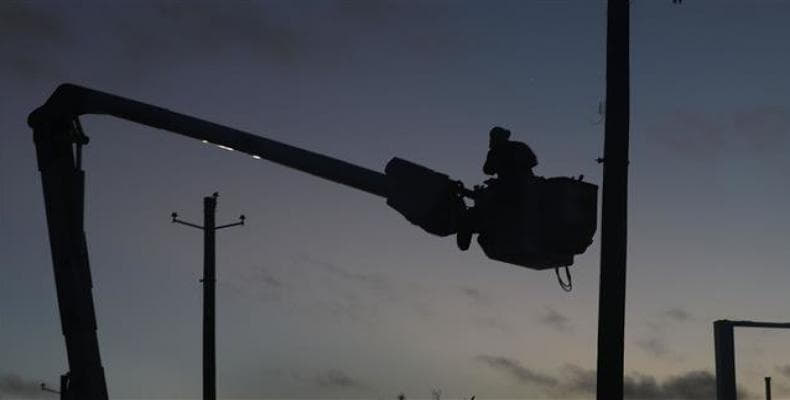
(471, 292)
(492, 322)
(654, 343)
(53, 40)
(30, 34)
(639, 386)
(206, 27)
(263, 276)
(332, 379)
(678, 314)
(14, 387)
(474, 295)
(347, 294)
(653, 346)
(258, 282)
(784, 370)
(335, 378)
(752, 129)
(554, 319)
(37, 37)
(483, 315)
(374, 281)
(272, 282)
(20, 19)
(762, 127)
(264, 31)
(691, 385)
(514, 368)
(576, 381)
(690, 132)
(267, 278)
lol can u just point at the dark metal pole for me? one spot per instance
(767, 388)
(611, 306)
(209, 281)
(724, 343)
(63, 182)
(209, 285)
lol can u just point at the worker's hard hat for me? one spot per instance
(498, 135)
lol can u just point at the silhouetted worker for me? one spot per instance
(512, 163)
(508, 159)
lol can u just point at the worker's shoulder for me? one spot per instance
(520, 147)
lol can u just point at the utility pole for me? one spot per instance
(209, 289)
(611, 302)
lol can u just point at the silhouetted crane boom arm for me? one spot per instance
(55, 133)
(561, 210)
(70, 101)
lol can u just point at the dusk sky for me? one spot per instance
(328, 293)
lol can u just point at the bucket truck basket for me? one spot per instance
(554, 220)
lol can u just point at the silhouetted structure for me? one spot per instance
(63, 181)
(724, 342)
(209, 281)
(428, 199)
(614, 212)
(525, 219)
(767, 388)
